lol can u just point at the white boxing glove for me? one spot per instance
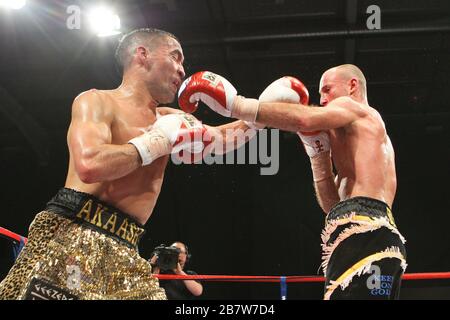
(286, 89)
(291, 90)
(170, 134)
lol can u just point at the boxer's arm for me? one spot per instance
(89, 139)
(168, 110)
(296, 117)
(391, 175)
(231, 136)
(324, 184)
(220, 140)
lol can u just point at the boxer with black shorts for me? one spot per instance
(363, 252)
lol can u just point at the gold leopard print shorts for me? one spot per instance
(67, 258)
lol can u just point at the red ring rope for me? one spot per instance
(11, 235)
(407, 276)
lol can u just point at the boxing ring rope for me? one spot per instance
(18, 241)
(406, 276)
(283, 280)
(233, 278)
(12, 236)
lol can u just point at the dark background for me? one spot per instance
(234, 220)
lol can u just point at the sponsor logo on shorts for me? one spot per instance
(40, 289)
(99, 216)
(379, 284)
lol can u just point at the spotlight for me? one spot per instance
(104, 22)
(13, 4)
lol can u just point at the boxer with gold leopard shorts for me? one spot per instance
(81, 248)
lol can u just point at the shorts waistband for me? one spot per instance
(96, 214)
(362, 206)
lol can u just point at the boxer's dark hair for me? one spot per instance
(133, 39)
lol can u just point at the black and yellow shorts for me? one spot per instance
(364, 256)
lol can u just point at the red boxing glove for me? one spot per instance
(218, 94)
(214, 90)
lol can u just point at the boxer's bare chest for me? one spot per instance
(130, 121)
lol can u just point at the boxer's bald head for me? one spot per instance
(349, 71)
(146, 37)
(347, 79)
